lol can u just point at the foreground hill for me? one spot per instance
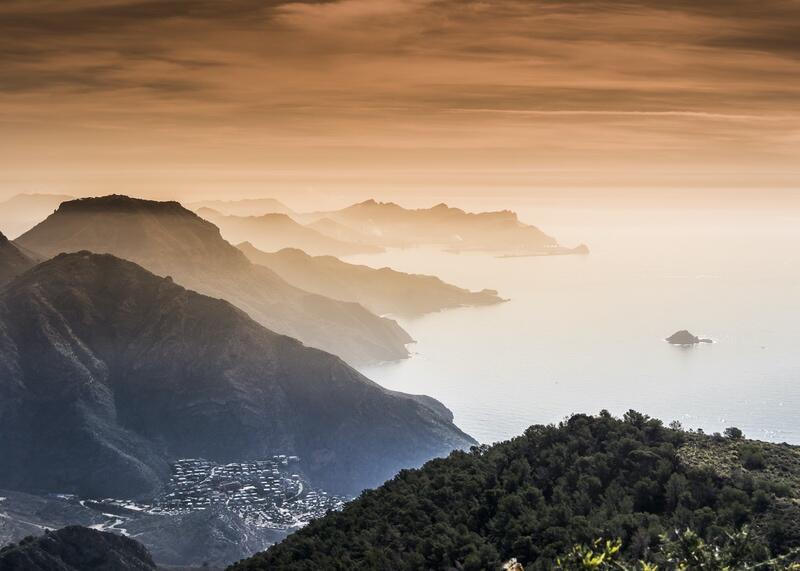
(108, 373)
(389, 224)
(277, 231)
(380, 290)
(534, 497)
(13, 260)
(170, 240)
(76, 548)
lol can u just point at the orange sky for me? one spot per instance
(187, 98)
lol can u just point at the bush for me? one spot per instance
(752, 457)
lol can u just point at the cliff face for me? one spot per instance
(108, 373)
(380, 290)
(169, 240)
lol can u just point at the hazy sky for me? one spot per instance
(378, 97)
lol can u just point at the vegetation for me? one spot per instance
(677, 552)
(535, 497)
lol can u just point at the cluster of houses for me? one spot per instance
(269, 493)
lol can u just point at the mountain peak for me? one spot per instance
(162, 236)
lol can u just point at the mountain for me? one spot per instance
(170, 240)
(21, 212)
(380, 290)
(13, 260)
(389, 224)
(277, 231)
(245, 207)
(76, 548)
(133, 372)
(534, 497)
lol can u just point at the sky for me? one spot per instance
(204, 98)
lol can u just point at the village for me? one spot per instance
(267, 493)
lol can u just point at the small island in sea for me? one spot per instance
(684, 337)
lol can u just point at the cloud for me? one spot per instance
(578, 82)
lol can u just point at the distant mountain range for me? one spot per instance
(170, 240)
(380, 290)
(389, 224)
(244, 207)
(133, 371)
(273, 232)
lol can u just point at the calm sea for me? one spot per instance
(583, 333)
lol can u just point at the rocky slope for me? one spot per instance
(132, 371)
(380, 290)
(273, 232)
(76, 548)
(169, 240)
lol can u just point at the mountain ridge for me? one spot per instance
(170, 240)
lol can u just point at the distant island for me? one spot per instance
(683, 337)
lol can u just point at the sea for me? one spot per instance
(584, 333)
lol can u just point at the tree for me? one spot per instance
(734, 433)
